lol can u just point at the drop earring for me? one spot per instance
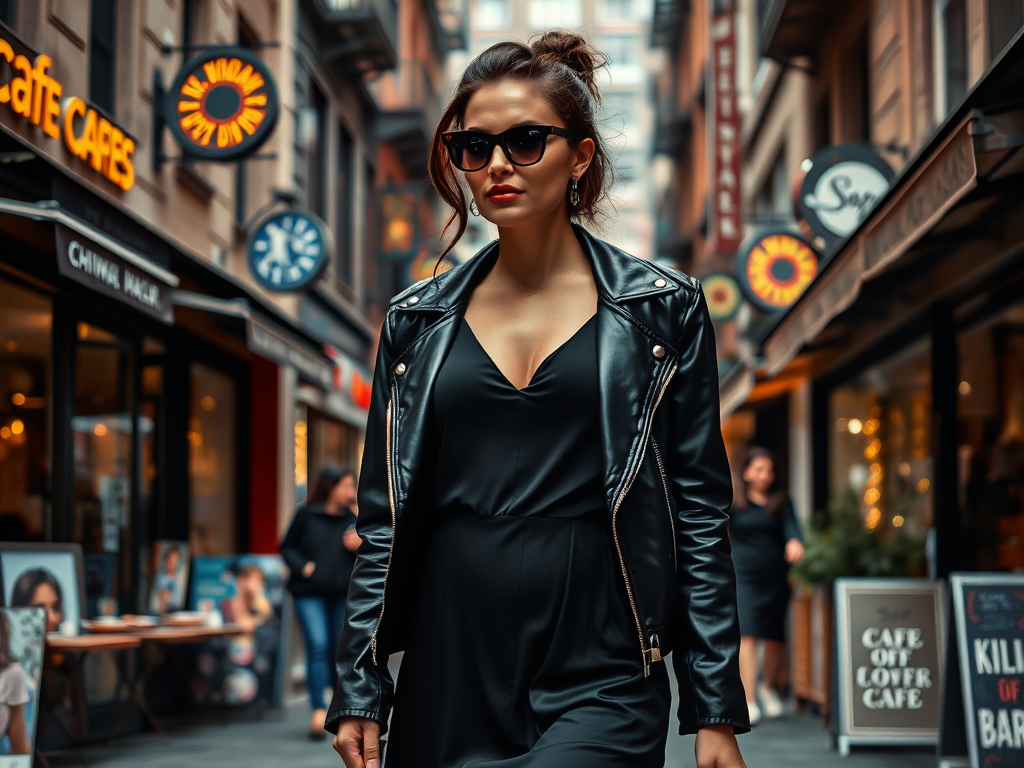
(574, 195)
(473, 209)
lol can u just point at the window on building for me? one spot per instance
(212, 437)
(990, 438)
(247, 39)
(102, 47)
(621, 50)
(880, 442)
(620, 10)
(493, 14)
(823, 121)
(555, 13)
(620, 112)
(1005, 17)
(7, 12)
(630, 169)
(26, 320)
(951, 53)
(188, 23)
(344, 190)
(774, 204)
(316, 157)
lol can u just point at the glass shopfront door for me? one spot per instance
(104, 433)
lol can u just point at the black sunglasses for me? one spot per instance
(522, 145)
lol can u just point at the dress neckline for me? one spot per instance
(533, 376)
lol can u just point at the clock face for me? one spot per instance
(288, 250)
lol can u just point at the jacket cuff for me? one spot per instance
(738, 726)
(332, 723)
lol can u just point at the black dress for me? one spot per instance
(525, 651)
(759, 552)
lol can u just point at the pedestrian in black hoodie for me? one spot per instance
(319, 549)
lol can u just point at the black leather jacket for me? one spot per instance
(666, 476)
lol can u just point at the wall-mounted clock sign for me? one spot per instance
(774, 268)
(289, 249)
(223, 105)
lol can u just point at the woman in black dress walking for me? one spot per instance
(544, 482)
(766, 540)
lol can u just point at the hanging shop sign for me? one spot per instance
(984, 700)
(350, 378)
(98, 268)
(281, 347)
(725, 228)
(722, 295)
(399, 222)
(890, 635)
(836, 190)
(289, 250)
(424, 264)
(774, 267)
(33, 98)
(223, 105)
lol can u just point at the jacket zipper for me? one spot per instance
(392, 505)
(668, 501)
(630, 477)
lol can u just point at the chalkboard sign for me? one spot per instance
(989, 611)
(890, 651)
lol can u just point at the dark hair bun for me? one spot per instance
(572, 50)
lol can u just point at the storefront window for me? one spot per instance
(25, 329)
(990, 439)
(212, 435)
(880, 441)
(101, 432)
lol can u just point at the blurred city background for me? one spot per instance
(205, 206)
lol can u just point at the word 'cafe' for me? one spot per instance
(30, 92)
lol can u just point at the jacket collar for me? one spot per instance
(619, 276)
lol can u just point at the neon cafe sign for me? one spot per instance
(35, 96)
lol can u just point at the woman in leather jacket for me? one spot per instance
(544, 483)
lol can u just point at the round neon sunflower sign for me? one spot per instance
(775, 268)
(223, 105)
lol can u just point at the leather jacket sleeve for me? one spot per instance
(365, 689)
(707, 636)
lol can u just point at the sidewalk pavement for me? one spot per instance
(791, 741)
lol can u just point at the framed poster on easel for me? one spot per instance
(890, 643)
(984, 700)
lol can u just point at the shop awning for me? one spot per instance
(50, 210)
(266, 338)
(972, 158)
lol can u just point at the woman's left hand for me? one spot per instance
(794, 551)
(717, 748)
(352, 540)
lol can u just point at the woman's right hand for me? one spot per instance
(308, 568)
(358, 742)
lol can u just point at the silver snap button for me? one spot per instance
(660, 283)
(413, 299)
(399, 369)
(659, 351)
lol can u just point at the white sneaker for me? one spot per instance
(771, 704)
(755, 713)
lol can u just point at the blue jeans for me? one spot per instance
(321, 619)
